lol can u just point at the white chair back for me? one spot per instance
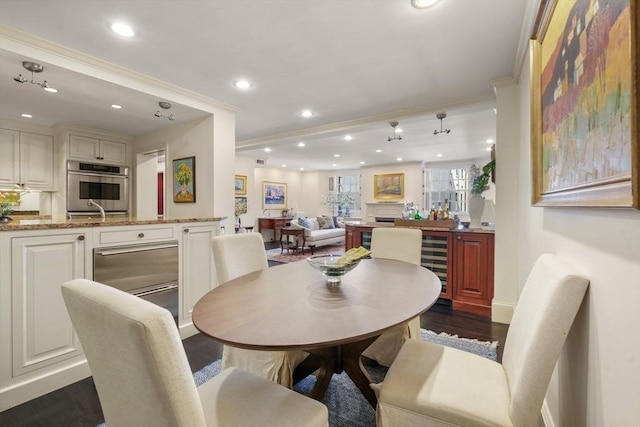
(135, 355)
(543, 316)
(401, 244)
(238, 254)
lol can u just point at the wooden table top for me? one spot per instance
(290, 307)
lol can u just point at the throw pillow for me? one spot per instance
(305, 223)
(325, 222)
(336, 221)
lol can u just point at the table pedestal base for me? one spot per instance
(332, 360)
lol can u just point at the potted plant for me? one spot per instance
(479, 185)
(8, 200)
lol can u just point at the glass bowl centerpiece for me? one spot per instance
(330, 268)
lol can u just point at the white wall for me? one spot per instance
(412, 183)
(188, 139)
(597, 379)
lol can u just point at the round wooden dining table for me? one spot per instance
(291, 307)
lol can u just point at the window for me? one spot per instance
(348, 184)
(451, 184)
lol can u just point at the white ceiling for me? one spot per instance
(357, 63)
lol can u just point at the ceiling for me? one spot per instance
(358, 64)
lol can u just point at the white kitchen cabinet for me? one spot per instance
(26, 159)
(198, 272)
(42, 333)
(97, 150)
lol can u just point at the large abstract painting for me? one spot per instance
(584, 104)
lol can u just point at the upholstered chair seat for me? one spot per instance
(432, 385)
(236, 255)
(142, 375)
(402, 244)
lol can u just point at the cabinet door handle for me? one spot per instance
(186, 230)
(81, 237)
(141, 235)
(459, 238)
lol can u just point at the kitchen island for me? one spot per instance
(40, 351)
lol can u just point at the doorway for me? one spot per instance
(150, 184)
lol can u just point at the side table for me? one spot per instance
(296, 233)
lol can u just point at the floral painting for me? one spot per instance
(184, 180)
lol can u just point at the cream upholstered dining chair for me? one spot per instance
(236, 255)
(402, 244)
(432, 385)
(142, 375)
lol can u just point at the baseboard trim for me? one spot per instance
(33, 387)
(501, 312)
(547, 419)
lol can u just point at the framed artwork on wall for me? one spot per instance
(274, 195)
(240, 184)
(584, 104)
(241, 206)
(388, 186)
(184, 180)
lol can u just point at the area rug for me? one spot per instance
(347, 406)
(291, 256)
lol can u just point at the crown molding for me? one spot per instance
(347, 125)
(20, 42)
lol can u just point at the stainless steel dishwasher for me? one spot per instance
(148, 270)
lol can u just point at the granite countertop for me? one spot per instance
(43, 222)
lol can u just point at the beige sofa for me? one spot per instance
(316, 236)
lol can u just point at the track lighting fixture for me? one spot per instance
(394, 124)
(34, 68)
(441, 116)
(164, 106)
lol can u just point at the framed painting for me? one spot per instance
(240, 184)
(584, 104)
(241, 206)
(274, 195)
(388, 186)
(184, 180)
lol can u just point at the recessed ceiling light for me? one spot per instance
(284, 166)
(336, 155)
(378, 151)
(399, 159)
(362, 163)
(438, 155)
(398, 130)
(488, 148)
(348, 138)
(423, 4)
(334, 165)
(26, 116)
(301, 169)
(122, 29)
(267, 149)
(242, 84)
(490, 141)
(300, 144)
(51, 89)
(116, 106)
(306, 113)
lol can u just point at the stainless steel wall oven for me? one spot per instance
(106, 185)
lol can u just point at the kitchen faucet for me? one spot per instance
(91, 202)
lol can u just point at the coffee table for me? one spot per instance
(290, 307)
(297, 233)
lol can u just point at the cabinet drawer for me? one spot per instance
(135, 235)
